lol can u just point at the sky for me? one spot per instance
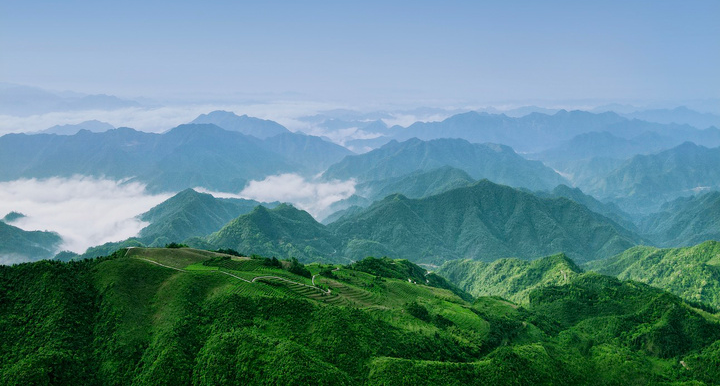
(422, 52)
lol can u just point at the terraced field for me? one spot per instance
(253, 278)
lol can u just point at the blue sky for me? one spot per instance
(479, 51)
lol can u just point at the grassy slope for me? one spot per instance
(123, 320)
(512, 279)
(692, 273)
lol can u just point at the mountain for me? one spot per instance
(512, 278)
(18, 100)
(12, 216)
(17, 245)
(283, 232)
(608, 210)
(485, 222)
(646, 181)
(680, 115)
(183, 316)
(495, 162)
(256, 127)
(538, 132)
(530, 133)
(94, 126)
(685, 221)
(185, 157)
(206, 155)
(605, 145)
(191, 214)
(692, 273)
(313, 153)
(417, 184)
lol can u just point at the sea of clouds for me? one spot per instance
(85, 211)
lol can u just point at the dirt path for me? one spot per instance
(243, 279)
(313, 278)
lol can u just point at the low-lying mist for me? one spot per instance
(85, 211)
(313, 196)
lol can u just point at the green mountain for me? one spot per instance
(418, 184)
(495, 162)
(183, 316)
(512, 278)
(606, 145)
(191, 214)
(313, 153)
(644, 182)
(608, 210)
(692, 273)
(17, 245)
(256, 127)
(185, 157)
(485, 222)
(283, 232)
(685, 221)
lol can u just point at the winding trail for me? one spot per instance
(246, 280)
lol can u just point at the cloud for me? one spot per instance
(160, 119)
(312, 196)
(85, 211)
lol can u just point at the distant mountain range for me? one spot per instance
(538, 132)
(495, 162)
(644, 182)
(680, 115)
(684, 222)
(18, 100)
(193, 155)
(92, 126)
(258, 128)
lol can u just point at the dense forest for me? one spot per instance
(183, 316)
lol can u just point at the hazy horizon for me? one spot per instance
(372, 53)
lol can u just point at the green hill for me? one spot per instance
(191, 214)
(283, 232)
(512, 278)
(684, 222)
(692, 273)
(17, 245)
(497, 163)
(183, 316)
(418, 184)
(485, 222)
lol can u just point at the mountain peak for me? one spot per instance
(259, 128)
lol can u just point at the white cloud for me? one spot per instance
(312, 196)
(161, 119)
(85, 211)
(406, 120)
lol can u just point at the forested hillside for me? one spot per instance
(183, 316)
